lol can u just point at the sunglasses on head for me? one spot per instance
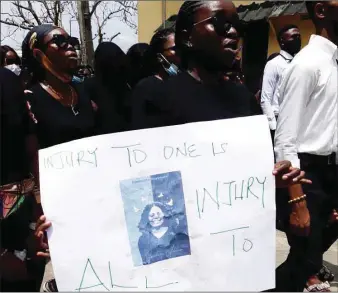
(61, 41)
(222, 28)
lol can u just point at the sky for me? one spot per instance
(127, 37)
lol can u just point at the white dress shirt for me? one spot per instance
(272, 75)
(308, 116)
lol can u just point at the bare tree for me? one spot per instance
(103, 11)
(27, 14)
(9, 34)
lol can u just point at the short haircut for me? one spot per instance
(284, 30)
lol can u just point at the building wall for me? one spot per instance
(151, 16)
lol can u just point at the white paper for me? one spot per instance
(106, 235)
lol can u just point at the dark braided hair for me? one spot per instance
(159, 38)
(157, 46)
(185, 21)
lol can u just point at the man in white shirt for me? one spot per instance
(306, 135)
(290, 43)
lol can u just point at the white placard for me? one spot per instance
(188, 207)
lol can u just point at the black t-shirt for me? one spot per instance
(182, 99)
(146, 98)
(54, 123)
(14, 128)
(111, 101)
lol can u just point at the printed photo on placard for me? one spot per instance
(155, 216)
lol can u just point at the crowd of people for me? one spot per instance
(188, 74)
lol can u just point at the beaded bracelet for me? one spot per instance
(297, 199)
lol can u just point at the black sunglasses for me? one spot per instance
(61, 41)
(222, 28)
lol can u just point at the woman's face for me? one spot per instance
(169, 50)
(156, 217)
(60, 51)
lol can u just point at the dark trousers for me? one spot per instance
(306, 253)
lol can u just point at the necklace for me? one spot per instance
(75, 112)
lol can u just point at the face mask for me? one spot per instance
(171, 69)
(14, 68)
(293, 47)
(77, 79)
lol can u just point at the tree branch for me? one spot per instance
(31, 10)
(44, 3)
(56, 12)
(97, 2)
(12, 23)
(20, 9)
(114, 36)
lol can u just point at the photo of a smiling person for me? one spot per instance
(160, 237)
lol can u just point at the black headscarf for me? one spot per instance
(109, 88)
(111, 64)
(34, 39)
(137, 55)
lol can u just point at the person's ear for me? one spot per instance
(320, 10)
(37, 55)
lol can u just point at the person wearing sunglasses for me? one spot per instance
(206, 41)
(60, 109)
(163, 64)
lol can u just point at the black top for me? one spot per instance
(146, 98)
(55, 123)
(170, 245)
(183, 99)
(14, 161)
(112, 113)
(14, 128)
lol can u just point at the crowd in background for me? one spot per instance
(187, 74)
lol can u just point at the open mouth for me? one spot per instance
(71, 55)
(230, 44)
(157, 222)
